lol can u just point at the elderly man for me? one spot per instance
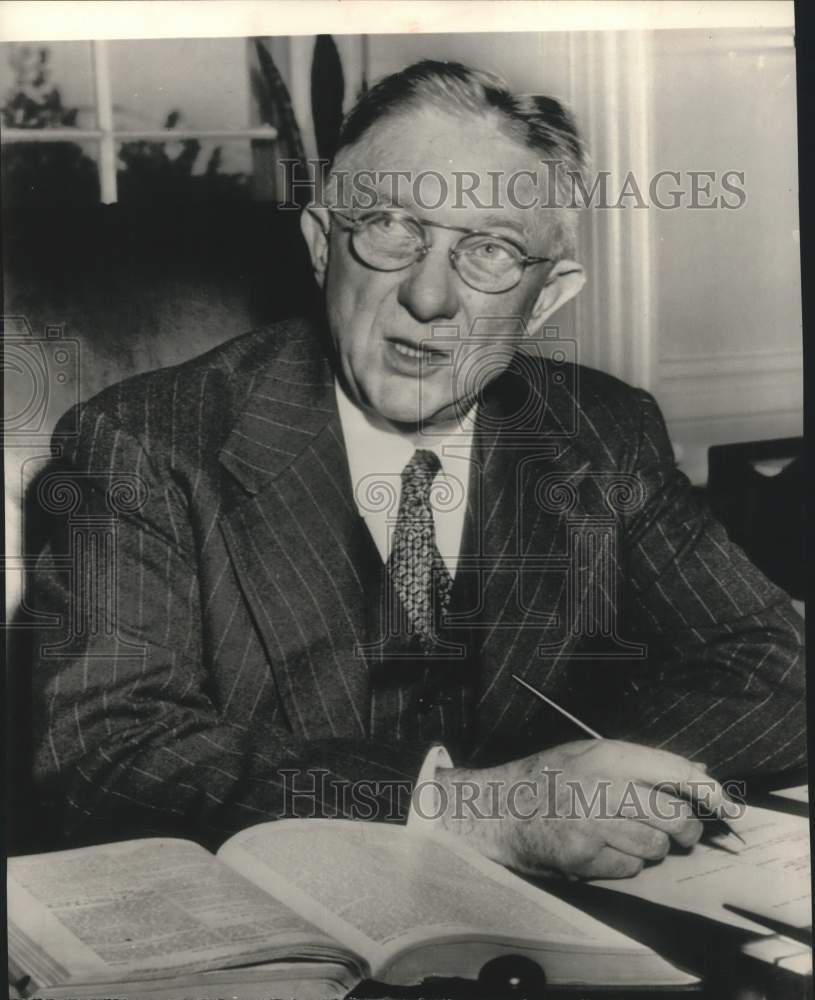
(346, 534)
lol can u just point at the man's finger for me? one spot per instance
(660, 810)
(608, 862)
(637, 839)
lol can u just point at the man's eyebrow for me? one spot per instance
(497, 221)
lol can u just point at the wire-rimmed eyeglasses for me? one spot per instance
(392, 240)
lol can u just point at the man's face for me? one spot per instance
(383, 322)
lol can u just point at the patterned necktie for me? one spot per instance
(418, 572)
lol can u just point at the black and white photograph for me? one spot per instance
(404, 501)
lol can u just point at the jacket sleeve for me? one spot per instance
(724, 683)
(127, 738)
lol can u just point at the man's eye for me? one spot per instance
(382, 225)
(491, 254)
(392, 230)
(490, 250)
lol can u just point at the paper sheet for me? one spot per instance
(770, 875)
(798, 794)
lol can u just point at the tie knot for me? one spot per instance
(422, 468)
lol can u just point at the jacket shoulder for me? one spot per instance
(599, 395)
(200, 397)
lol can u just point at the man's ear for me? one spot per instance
(565, 280)
(314, 224)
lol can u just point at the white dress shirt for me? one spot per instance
(377, 454)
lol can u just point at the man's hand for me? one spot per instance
(592, 808)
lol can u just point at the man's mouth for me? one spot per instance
(422, 350)
(409, 352)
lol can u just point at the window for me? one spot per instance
(130, 119)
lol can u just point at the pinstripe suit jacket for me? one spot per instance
(230, 657)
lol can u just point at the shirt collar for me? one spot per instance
(374, 447)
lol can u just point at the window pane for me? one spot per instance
(47, 85)
(203, 82)
(200, 170)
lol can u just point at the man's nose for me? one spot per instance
(428, 290)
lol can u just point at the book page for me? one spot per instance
(374, 887)
(141, 908)
(769, 875)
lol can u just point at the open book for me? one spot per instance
(301, 908)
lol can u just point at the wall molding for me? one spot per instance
(692, 395)
(726, 364)
(726, 386)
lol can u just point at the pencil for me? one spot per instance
(572, 718)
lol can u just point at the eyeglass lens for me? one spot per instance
(392, 242)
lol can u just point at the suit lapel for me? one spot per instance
(293, 540)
